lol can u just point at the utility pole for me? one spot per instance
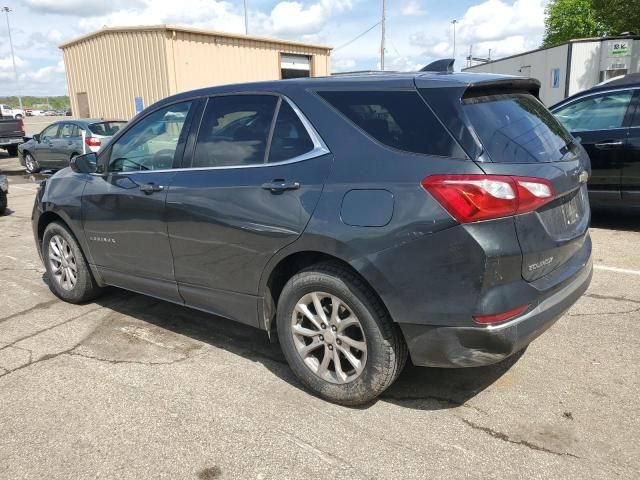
(382, 40)
(246, 19)
(454, 22)
(6, 11)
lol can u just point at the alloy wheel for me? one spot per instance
(329, 337)
(62, 262)
(29, 162)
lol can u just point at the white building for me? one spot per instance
(571, 67)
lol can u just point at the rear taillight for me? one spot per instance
(500, 317)
(471, 198)
(21, 126)
(92, 141)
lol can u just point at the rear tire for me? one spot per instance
(70, 278)
(358, 335)
(12, 150)
(31, 164)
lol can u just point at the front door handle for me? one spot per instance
(150, 188)
(613, 144)
(280, 185)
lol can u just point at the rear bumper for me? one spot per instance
(451, 346)
(9, 142)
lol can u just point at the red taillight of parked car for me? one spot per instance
(500, 317)
(471, 198)
(21, 126)
(92, 141)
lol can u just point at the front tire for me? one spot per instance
(70, 278)
(30, 163)
(12, 150)
(337, 336)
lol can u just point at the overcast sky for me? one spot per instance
(418, 31)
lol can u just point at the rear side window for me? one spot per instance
(398, 119)
(234, 131)
(106, 129)
(514, 127)
(290, 138)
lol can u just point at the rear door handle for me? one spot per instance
(614, 144)
(150, 188)
(279, 185)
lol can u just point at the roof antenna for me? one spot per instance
(440, 66)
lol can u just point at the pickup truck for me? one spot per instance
(11, 134)
(7, 111)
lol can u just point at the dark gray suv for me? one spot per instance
(362, 218)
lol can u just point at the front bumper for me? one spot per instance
(435, 346)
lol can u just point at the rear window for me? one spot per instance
(398, 119)
(515, 127)
(106, 129)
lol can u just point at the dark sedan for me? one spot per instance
(61, 141)
(607, 119)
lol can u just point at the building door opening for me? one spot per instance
(83, 105)
(294, 66)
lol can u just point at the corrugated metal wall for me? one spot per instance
(114, 67)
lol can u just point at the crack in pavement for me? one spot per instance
(443, 400)
(506, 438)
(117, 362)
(611, 297)
(37, 306)
(627, 312)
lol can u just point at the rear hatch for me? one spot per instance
(518, 136)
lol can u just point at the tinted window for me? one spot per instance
(151, 143)
(50, 132)
(69, 130)
(290, 138)
(106, 129)
(598, 112)
(516, 128)
(398, 119)
(234, 131)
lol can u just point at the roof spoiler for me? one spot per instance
(485, 87)
(444, 65)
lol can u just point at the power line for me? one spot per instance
(358, 37)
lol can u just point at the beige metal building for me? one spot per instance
(113, 72)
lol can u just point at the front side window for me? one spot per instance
(598, 112)
(398, 119)
(50, 132)
(235, 131)
(151, 144)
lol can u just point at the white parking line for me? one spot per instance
(617, 270)
(23, 188)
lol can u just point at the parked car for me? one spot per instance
(11, 134)
(607, 119)
(358, 217)
(61, 141)
(7, 111)
(4, 191)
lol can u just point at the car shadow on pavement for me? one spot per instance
(416, 388)
(616, 219)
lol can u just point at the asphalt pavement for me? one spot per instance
(131, 387)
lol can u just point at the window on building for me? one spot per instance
(151, 144)
(399, 119)
(234, 131)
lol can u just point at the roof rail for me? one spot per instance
(444, 65)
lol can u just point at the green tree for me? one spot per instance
(620, 15)
(568, 19)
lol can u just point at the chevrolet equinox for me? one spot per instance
(362, 219)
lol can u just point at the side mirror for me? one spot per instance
(86, 163)
(36, 137)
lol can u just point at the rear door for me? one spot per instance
(254, 177)
(521, 137)
(630, 188)
(69, 142)
(601, 121)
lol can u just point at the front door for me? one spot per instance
(251, 189)
(601, 121)
(44, 149)
(125, 209)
